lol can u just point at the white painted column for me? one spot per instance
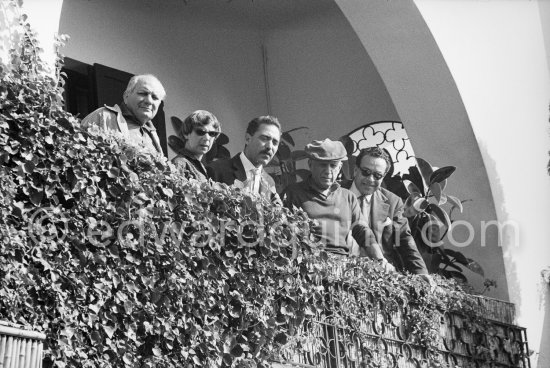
(495, 51)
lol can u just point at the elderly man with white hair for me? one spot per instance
(133, 118)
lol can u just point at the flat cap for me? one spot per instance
(326, 150)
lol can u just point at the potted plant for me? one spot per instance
(429, 209)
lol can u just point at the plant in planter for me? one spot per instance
(424, 207)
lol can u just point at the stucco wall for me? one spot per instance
(501, 71)
(321, 77)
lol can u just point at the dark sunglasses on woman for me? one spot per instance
(212, 133)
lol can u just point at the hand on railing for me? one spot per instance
(388, 267)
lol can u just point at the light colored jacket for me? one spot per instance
(111, 118)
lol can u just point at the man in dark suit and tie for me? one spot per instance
(383, 211)
(247, 167)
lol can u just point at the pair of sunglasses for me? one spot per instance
(212, 133)
(367, 172)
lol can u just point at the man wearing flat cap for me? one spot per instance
(336, 209)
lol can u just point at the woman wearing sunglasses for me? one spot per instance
(199, 131)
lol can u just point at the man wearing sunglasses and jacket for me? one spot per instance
(246, 169)
(383, 211)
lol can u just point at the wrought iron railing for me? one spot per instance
(384, 339)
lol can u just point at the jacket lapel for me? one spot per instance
(122, 125)
(379, 213)
(238, 168)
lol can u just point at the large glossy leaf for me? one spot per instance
(454, 275)
(303, 173)
(177, 123)
(420, 204)
(435, 189)
(455, 202)
(298, 155)
(441, 174)
(176, 144)
(434, 264)
(222, 139)
(450, 263)
(458, 256)
(349, 144)
(410, 211)
(284, 152)
(223, 152)
(288, 137)
(414, 176)
(443, 184)
(440, 214)
(395, 185)
(412, 188)
(351, 161)
(425, 168)
(346, 171)
(274, 162)
(475, 267)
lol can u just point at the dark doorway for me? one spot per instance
(88, 87)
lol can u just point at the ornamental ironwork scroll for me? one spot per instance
(390, 135)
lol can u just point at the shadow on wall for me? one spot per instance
(544, 349)
(508, 282)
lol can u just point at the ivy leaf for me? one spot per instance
(29, 167)
(127, 358)
(109, 330)
(36, 197)
(96, 338)
(114, 172)
(167, 192)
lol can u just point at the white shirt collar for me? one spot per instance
(248, 166)
(248, 169)
(357, 193)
